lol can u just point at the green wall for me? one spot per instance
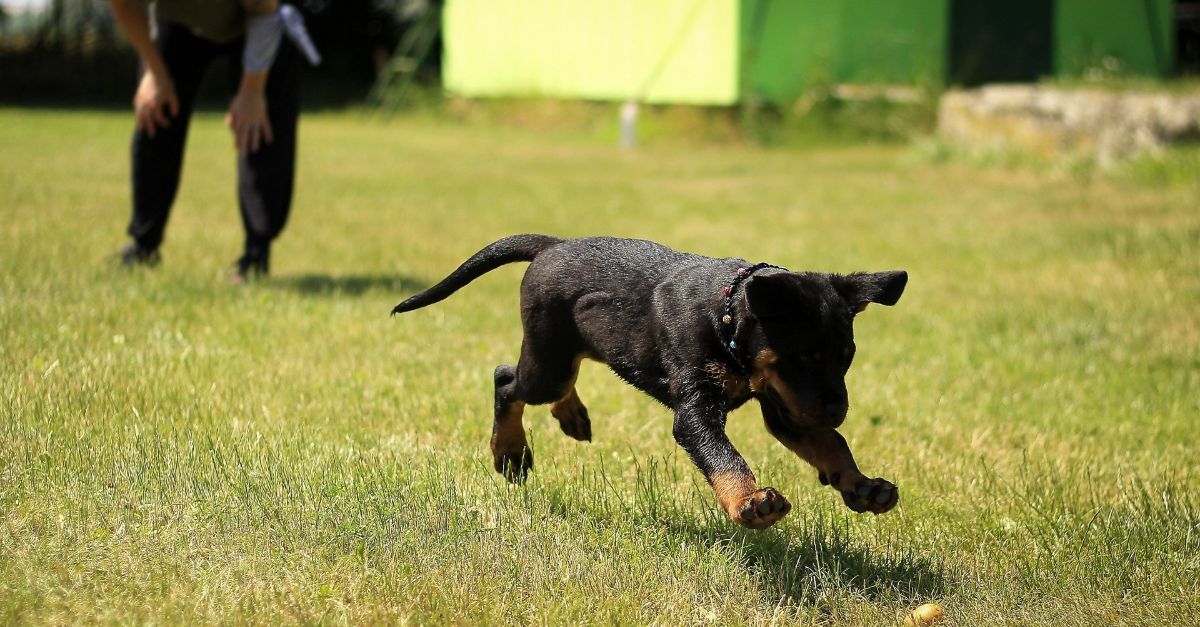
(902, 41)
(787, 46)
(1140, 34)
(791, 45)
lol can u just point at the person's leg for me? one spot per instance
(157, 160)
(265, 177)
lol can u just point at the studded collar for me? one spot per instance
(728, 321)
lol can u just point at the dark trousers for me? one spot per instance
(265, 177)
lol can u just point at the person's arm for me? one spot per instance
(155, 95)
(247, 117)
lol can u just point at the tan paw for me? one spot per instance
(573, 417)
(514, 465)
(761, 509)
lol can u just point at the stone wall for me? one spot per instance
(1052, 121)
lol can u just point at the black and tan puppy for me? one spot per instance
(700, 335)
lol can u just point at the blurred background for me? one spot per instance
(72, 51)
(701, 52)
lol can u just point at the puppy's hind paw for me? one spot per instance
(872, 495)
(573, 417)
(579, 428)
(514, 466)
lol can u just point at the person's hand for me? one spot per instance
(247, 119)
(154, 100)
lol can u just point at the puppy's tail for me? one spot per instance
(508, 250)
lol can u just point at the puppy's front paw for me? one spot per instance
(761, 509)
(513, 465)
(872, 495)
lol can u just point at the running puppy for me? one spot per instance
(700, 335)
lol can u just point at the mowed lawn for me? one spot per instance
(175, 449)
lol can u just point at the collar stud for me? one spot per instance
(727, 327)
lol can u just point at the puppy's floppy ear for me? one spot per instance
(861, 288)
(774, 295)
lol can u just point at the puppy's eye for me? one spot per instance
(848, 351)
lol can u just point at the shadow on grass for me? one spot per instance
(800, 564)
(349, 285)
(802, 561)
(803, 567)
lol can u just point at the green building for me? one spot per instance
(724, 51)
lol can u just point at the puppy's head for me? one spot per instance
(805, 338)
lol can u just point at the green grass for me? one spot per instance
(173, 449)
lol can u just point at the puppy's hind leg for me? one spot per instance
(571, 414)
(511, 455)
(540, 377)
(545, 374)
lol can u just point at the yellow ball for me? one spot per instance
(925, 614)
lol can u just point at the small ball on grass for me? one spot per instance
(925, 614)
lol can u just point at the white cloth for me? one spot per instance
(264, 32)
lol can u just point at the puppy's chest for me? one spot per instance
(738, 387)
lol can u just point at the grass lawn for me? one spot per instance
(174, 449)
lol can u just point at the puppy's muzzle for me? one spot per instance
(829, 415)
